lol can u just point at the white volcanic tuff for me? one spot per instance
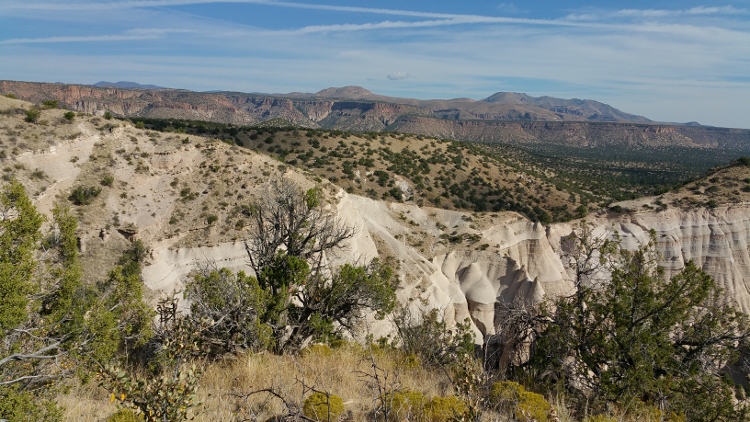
(715, 239)
(166, 269)
(56, 164)
(523, 260)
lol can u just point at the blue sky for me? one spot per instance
(667, 60)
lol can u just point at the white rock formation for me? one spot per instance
(523, 259)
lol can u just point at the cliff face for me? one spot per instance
(504, 117)
(523, 260)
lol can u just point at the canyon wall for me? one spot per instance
(467, 120)
(522, 260)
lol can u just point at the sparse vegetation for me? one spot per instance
(83, 195)
(323, 407)
(33, 114)
(213, 363)
(49, 104)
(108, 180)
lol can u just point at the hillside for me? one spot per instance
(188, 198)
(585, 175)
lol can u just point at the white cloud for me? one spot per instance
(398, 75)
(509, 8)
(725, 10)
(641, 61)
(701, 10)
(132, 35)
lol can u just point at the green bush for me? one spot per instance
(49, 103)
(107, 180)
(510, 396)
(125, 415)
(69, 116)
(19, 405)
(600, 418)
(108, 115)
(443, 409)
(323, 407)
(83, 195)
(431, 341)
(33, 114)
(405, 404)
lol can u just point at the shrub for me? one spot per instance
(166, 394)
(83, 195)
(69, 116)
(107, 180)
(49, 103)
(212, 219)
(13, 96)
(442, 409)
(231, 301)
(108, 115)
(600, 418)
(32, 114)
(405, 405)
(125, 415)
(38, 175)
(525, 405)
(431, 341)
(18, 405)
(323, 407)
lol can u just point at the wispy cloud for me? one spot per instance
(132, 35)
(509, 8)
(398, 75)
(701, 10)
(654, 62)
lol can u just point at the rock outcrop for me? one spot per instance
(523, 260)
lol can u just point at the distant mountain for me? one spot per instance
(590, 109)
(504, 117)
(347, 92)
(125, 85)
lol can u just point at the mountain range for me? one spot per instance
(503, 117)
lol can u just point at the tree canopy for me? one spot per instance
(639, 337)
(295, 295)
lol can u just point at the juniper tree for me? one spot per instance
(640, 337)
(295, 293)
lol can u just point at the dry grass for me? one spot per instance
(239, 388)
(87, 402)
(235, 388)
